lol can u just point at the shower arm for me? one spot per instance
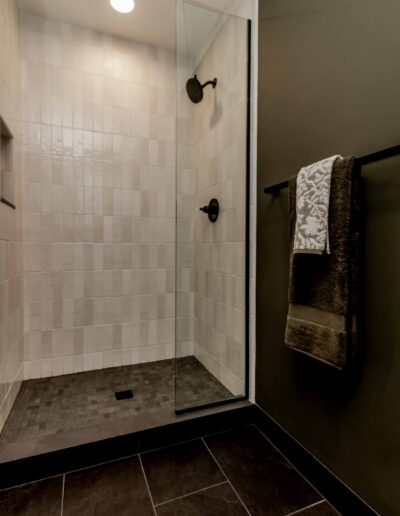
(213, 82)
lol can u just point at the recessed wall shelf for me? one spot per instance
(6, 165)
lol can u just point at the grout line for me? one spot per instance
(191, 493)
(68, 472)
(31, 482)
(299, 511)
(95, 465)
(170, 445)
(62, 495)
(231, 429)
(225, 475)
(147, 484)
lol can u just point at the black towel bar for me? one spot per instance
(363, 160)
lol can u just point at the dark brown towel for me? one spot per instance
(323, 290)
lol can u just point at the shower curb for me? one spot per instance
(58, 462)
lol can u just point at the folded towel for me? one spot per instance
(323, 290)
(312, 207)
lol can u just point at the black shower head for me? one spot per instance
(195, 89)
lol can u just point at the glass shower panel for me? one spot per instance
(211, 235)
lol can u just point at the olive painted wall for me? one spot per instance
(329, 82)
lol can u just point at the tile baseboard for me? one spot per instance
(345, 501)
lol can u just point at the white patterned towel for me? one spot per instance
(312, 207)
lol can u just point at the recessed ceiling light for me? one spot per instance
(123, 6)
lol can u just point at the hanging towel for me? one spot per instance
(312, 207)
(323, 290)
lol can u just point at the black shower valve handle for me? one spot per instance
(212, 210)
(206, 209)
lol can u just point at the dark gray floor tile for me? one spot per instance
(322, 509)
(264, 480)
(36, 499)
(114, 489)
(220, 500)
(179, 470)
(195, 385)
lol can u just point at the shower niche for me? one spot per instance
(6, 165)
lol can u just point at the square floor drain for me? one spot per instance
(124, 395)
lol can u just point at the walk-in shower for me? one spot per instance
(126, 292)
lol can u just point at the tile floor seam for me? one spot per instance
(191, 493)
(31, 482)
(323, 499)
(231, 429)
(299, 511)
(62, 495)
(170, 445)
(69, 471)
(226, 476)
(147, 485)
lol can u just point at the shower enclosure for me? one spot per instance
(124, 288)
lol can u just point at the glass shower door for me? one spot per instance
(212, 207)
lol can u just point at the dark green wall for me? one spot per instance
(329, 82)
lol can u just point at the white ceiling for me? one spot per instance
(152, 21)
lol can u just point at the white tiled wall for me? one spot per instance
(212, 163)
(99, 193)
(11, 321)
(219, 258)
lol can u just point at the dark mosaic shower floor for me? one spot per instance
(62, 404)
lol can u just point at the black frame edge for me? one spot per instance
(212, 404)
(248, 214)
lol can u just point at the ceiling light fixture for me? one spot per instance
(123, 6)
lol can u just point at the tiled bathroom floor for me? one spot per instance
(62, 404)
(233, 473)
